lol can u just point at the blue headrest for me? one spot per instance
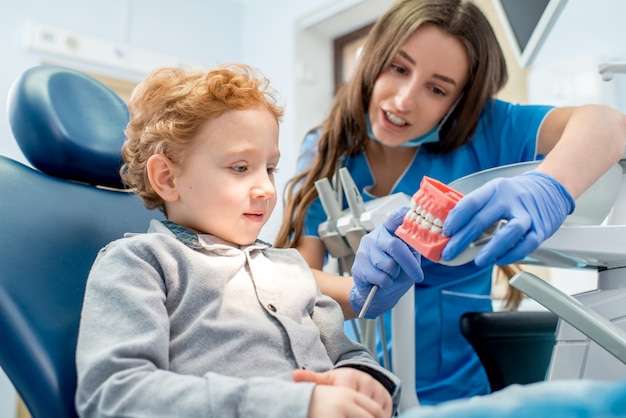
(68, 124)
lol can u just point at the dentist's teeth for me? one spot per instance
(394, 119)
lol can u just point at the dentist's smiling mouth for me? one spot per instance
(394, 119)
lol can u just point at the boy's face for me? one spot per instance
(225, 185)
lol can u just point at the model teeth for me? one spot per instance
(394, 119)
(426, 220)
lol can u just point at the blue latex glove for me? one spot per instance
(534, 204)
(386, 261)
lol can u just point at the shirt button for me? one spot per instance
(271, 308)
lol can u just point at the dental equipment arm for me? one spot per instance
(350, 226)
(334, 242)
(598, 328)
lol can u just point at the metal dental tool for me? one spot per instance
(368, 301)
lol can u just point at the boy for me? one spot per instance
(197, 317)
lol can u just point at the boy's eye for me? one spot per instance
(240, 168)
(272, 170)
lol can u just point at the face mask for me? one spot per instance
(428, 137)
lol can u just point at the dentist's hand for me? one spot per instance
(386, 261)
(534, 203)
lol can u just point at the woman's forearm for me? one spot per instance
(591, 136)
(338, 288)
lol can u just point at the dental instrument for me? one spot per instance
(605, 333)
(368, 301)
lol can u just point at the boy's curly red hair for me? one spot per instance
(170, 105)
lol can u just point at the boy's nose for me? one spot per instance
(264, 188)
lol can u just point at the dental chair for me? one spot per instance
(54, 217)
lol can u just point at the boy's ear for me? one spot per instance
(161, 173)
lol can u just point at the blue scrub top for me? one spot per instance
(446, 365)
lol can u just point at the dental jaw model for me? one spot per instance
(422, 224)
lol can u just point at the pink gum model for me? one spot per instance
(421, 228)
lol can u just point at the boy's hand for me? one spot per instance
(346, 392)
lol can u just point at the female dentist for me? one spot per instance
(421, 103)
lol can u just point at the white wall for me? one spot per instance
(205, 32)
(565, 71)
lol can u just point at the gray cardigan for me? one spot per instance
(180, 325)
